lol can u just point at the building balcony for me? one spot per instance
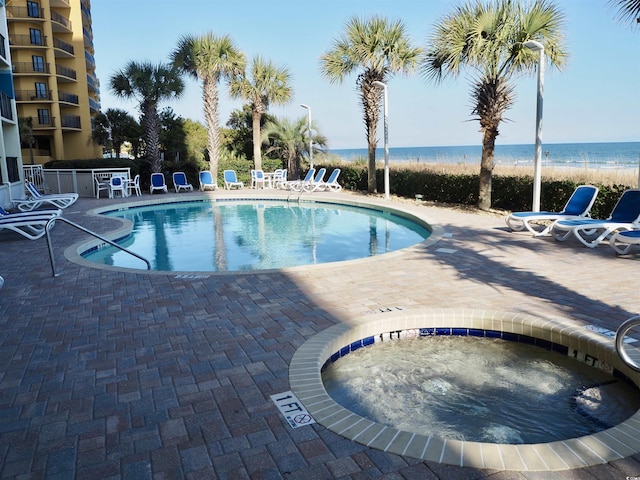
(27, 41)
(90, 60)
(24, 13)
(65, 73)
(94, 106)
(60, 23)
(30, 69)
(70, 121)
(33, 96)
(5, 106)
(63, 49)
(70, 98)
(61, 3)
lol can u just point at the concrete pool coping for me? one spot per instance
(305, 378)
(74, 253)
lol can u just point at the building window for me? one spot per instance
(38, 63)
(41, 90)
(44, 118)
(33, 9)
(36, 36)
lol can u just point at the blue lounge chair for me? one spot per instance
(622, 241)
(36, 199)
(31, 225)
(231, 180)
(577, 207)
(316, 182)
(590, 232)
(180, 182)
(206, 181)
(298, 184)
(157, 183)
(332, 183)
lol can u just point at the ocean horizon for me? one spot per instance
(625, 155)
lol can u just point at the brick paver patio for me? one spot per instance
(113, 375)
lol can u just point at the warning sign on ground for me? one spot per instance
(292, 410)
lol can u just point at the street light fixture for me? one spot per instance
(537, 166)
(309, 132)
(386, 138)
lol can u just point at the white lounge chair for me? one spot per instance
(332, 183)
(623, 241)
(31, 225)
(36, 199)
(590, 232)
(316, 183)
(231, 180)
(577, 207)
(180, 182)
(297, 184)
(157, 183)
(206, 181)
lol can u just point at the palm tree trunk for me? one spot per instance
(152, 123)
(210, 88)
(486, 168)
(257, 139)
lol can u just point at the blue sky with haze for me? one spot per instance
(596, 98)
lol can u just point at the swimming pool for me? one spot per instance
(240, 235)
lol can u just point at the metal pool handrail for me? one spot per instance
(620, 334)
(80, 227)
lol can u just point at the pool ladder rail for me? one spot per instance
(92, 233)
(631, 360)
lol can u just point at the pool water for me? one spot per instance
(241, 236)
(479, 389)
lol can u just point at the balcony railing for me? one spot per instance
(27, 41)
(60, 20)
(65, 72)
(25, 12)
(33, 96)
(94, 105)
(61, 45)
(68, 98)
(70, 121)
(5, 106)
(27, 67)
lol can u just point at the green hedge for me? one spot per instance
(509, 192)
(512, 193)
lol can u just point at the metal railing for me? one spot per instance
(632, 362)
(94, 234)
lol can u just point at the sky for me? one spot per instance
(595, 98)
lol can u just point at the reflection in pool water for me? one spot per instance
(240, 236)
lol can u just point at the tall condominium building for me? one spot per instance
(10, 159)
(56, 89)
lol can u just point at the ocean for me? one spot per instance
(620, 155)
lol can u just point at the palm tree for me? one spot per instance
(210, 58)
(628, 10)
(487, 38)
(149, 84)
(290, 140)
(380, 49)
(265, 84)
(114, 127)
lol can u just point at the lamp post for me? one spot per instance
(537, 166)
(309, 132)
(386, 138)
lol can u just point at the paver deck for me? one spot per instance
(120, 375)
